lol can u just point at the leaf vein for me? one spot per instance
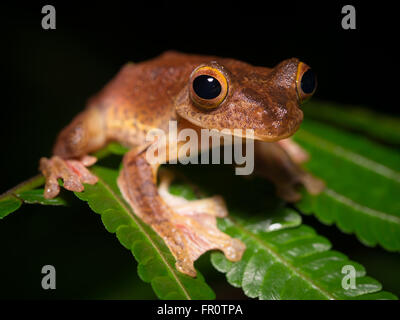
(281, 259)
(368, 211)
(352, 157)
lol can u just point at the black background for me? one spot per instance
(49, 74)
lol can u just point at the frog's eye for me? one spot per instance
(208, 87)
(306, 82)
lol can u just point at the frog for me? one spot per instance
(198, 92)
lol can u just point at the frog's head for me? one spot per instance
(230, 94)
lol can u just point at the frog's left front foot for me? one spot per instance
(280, 163)
(189, 228)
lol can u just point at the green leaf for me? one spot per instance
(9, 204)
(36, 196)
(363, 184)
(156, 265)
(10, 201)
(283, 259)
(355, 118)
(291, 263)
(25, 192)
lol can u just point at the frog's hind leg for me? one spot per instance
(188, 227)
(213, 206)
(280, 163)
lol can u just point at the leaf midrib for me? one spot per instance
(355, 158)
(365, 210)
(124, 207)
(281, 259)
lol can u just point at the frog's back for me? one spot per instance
(141, 96)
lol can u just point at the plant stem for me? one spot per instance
(29, 184)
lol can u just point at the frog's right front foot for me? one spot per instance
(73, 172)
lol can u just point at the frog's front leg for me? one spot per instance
(188, 227)
(280, 163)
(86, 133)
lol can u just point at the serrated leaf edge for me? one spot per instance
(148, 237)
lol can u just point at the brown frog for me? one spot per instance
(198, 92)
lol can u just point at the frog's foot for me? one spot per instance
(279, 162)
(188, 228)
(295, 152)
(195, 221)
(213, 206)
(289, 190)
(73, 172)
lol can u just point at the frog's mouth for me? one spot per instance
(280, 128)
(282, 132)
(269, 138)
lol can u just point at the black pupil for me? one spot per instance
(308, 82)
(206, 87)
